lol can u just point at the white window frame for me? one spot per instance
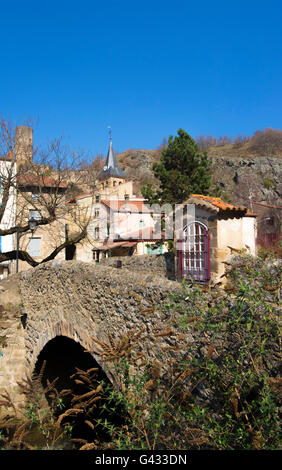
(32, 251)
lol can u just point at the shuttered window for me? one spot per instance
(34, 247)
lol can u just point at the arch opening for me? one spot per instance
(60, 360)
(195, 256)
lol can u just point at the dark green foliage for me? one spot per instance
(182, 171)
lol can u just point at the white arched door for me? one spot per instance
(196, 253)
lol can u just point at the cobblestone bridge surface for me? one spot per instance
(80, 301)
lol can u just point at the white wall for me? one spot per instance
(8, 242)
(249, 233)
(229, 233)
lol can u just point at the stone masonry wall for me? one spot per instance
(81, 301)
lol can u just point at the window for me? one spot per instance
(96, 232)
(97, 198)
(34, 215)
(114, 183)
(154, 249)
(34, 247)
(35, 195)
(96, 214)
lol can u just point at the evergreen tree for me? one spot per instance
(182, 171)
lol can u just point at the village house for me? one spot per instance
(37, 191)
(119, 223)
(211, 233)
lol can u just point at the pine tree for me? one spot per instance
(182, 171)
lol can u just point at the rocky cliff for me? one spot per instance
(243, 178)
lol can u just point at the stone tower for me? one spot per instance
(24, 145)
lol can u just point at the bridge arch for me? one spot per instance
(81, 301)
(57, 330)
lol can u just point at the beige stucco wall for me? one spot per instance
(234, 233)
(249, 233)
(51, 235)
(115, 187)
(238, 233)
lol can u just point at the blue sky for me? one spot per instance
(144, 68)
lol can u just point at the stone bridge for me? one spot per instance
(80, 301)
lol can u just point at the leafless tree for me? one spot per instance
(204, 142)
(38, 181)
(267, 142)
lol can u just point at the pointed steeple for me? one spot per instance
(111, 167)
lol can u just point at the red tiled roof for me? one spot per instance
(110, 246)
(221, 205)
(44, 181)
(9, 156)
(80, 196)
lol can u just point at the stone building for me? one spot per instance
(119, 223)
(37, 193)
(213, 232)
(34, 192)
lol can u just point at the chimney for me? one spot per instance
(24, 145)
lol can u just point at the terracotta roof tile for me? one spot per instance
(218, 203)
(44, 181)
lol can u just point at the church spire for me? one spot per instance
(111, 167)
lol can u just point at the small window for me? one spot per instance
(34, 215)
(35, 195)
(34, 247)
(97, 213)
(114, 183)
(96, 232)
(97, 198)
